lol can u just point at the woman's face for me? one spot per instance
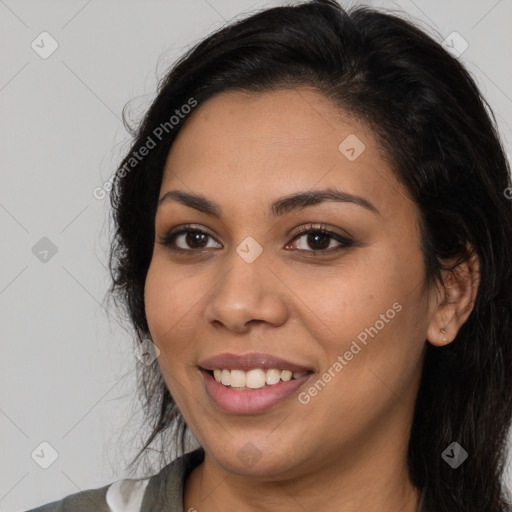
(348, 307)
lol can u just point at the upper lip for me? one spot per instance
(249, 361)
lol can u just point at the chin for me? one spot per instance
(252, 460)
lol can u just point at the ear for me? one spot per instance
(454, 301)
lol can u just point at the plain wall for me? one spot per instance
(66, 370)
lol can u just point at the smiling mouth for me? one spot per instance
(256, 378)
(247, 391)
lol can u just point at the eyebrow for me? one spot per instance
(278, 208)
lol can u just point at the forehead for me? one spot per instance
(276, 143)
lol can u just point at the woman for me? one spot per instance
(314, 231)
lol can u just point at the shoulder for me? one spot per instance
(163, 491)
(122, 495)
(83, 501)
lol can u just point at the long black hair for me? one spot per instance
(440, 137)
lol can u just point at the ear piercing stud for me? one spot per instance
(443, 330)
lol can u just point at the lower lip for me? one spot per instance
(240, 401)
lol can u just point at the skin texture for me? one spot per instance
(346, 448)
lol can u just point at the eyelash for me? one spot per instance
(168, 240)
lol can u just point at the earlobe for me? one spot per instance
(457, 300)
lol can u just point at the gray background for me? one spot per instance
(66, 369)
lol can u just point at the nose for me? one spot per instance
(247, 293)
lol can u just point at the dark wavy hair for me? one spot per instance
(439, 135)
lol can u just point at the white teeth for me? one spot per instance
(254, 379)
(225, 377)
(237, 379)
(273, 376)
(286, 375)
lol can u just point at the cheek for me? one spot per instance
(164, 300)
(171, 303)
(156, 300)
(357, 294)
(167, 322)
(375, 309)
(164, 307)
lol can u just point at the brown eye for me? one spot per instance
(190, 239)
(319, 240)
